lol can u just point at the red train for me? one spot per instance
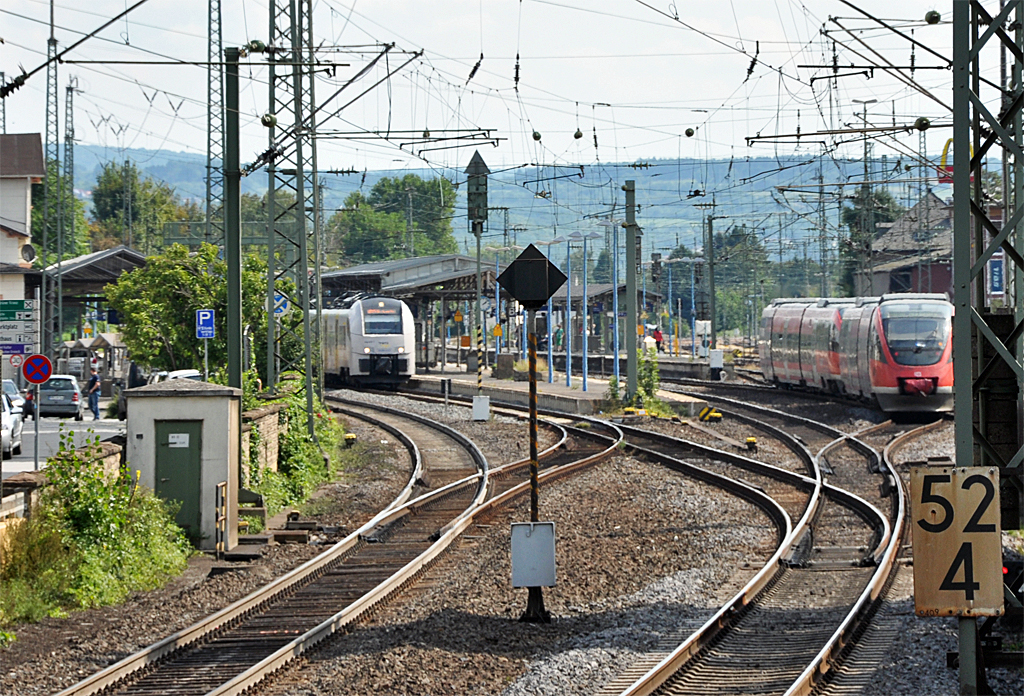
(894, 349)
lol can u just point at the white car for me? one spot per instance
(11, 425)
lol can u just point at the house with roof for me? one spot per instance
(912, 254)
(21, 165)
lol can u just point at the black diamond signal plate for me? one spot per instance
(531, 279)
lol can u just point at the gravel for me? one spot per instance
(656, 559)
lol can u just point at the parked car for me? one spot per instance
(11, 390)
(11, 426)
(60, 396)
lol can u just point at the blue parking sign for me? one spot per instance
(204, 324)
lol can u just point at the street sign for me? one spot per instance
(204, 324)
(17, 348)
(531, 279)
(37, 369)
(281, 305)
(957, 547)
(458, 316)
(16, 360)
(497, 329)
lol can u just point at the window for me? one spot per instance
(917, 333)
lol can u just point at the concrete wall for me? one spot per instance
(266, 421)
(219, 455)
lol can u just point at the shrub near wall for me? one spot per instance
(93, 539)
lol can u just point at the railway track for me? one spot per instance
(792, 621)
(236, 647)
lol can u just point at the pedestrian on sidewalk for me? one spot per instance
(92, 390)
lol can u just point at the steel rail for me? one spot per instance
(119, 671)
(866, 604)
(668, 666)
(448, 534)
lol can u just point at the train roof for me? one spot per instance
(861, 301)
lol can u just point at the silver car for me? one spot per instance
(11, 390)
(11, 426)
(60, 396)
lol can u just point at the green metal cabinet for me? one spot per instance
(179, 468)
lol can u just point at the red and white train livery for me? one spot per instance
(894, 349)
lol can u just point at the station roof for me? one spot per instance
(449, 276)
(21, 156)
(90, 273)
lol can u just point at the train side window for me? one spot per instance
(877, 354)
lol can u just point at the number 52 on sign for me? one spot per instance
(957, 548)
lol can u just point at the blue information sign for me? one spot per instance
(204, 324)
(996, 279)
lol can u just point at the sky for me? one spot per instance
(628, 74)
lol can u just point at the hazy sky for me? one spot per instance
(627, 72)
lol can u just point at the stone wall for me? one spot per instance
(266, 421)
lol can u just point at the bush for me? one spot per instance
(302, 467)
(90, 541)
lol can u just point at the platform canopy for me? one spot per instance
(420, 279)
(89, 274)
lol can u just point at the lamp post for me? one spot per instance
(567, 332)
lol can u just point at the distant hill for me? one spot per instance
(550, 200)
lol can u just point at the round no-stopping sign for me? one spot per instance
(17, 359)
(37, 369)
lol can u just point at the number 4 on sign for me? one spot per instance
(957, 547)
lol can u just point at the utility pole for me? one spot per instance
(633, 257)
(709, 259)
(822, 238)
(51, 341)
(293, 230)
(867, 212)
(232, 219)
(408, 222)
(66, 229)
(214, 128)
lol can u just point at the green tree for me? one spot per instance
(72, 210)
(359, 234)
(431, 204)
(603, 267)
(131, 209)
(158, 302)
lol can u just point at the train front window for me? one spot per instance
(382, 324)
(917, 334)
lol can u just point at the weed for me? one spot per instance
(256, 525)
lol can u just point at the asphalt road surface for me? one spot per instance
(49, 438)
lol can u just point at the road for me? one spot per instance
(49, 439)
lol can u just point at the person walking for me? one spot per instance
(92, 390)
(659, 339)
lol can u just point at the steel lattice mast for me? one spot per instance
(292, 194)
(215, 129)
(51, 209)
(67, 196)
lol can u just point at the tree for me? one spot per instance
(158, 303)
(129, 209)
(72, 210)
(360, 234)
(431, 204)
(603, 267)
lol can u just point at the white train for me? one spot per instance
(368, 340)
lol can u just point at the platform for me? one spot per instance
(555, 396)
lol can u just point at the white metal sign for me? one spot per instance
(957, 547)
(533, 554)
(177, 440)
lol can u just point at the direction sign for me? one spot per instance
(37, 369)
(957, 548)
(204, 324)
(281, 305)
(531, 279)
(17, 348)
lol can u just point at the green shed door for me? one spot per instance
(179, 468)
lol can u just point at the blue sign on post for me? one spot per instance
(996, 279)
(204, 324)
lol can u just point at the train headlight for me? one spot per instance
(401, 349)
(366, 350)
